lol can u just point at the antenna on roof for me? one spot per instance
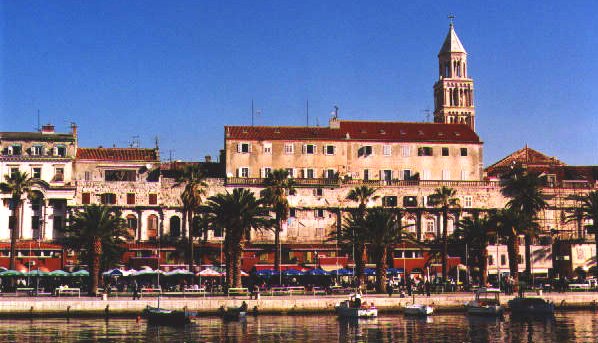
(427, 111)
(451, 18)
(39, 128)
(254, 112)
(157, 141)
(335, 112)
(170, 153)
(134, 142)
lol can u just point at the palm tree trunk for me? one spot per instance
(360, 263)
(14, 233)
(96, 253)
(381, 271)
(237, 265)
(483, 264)
(528, 258)
(277, 230)
(190, 247)
(444, 244)
(513, 252)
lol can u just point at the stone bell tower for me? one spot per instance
(453, 92)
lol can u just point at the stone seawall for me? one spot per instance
(118, 307)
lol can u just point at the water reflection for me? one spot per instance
(577, 326)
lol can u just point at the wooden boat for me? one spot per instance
(534, 306)
(486, 302)
(161, 316)
(418, 310)
(356, 308)
(232, 313)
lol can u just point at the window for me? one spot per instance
(152, 226)
(57, 222)
(389, 201)
(430, 227)
(503, 259)
(387, 150)
(445, 151)
(309, 149)
(153, 199)
(120, 175)
(36, 204)
(59, 174)
(292, 213)
(132, 225)
(87, 176)
(13, 171)
(35, 222)
(464, 175)
(320, 232)
(243, 148)
(61, 150)
(446, 174)
(308, 173)
(463, 151)
(108, 199)
(243, 172)
(467, 201)
(318, 192)
(366, 174)
(424, 151)
(36, 172)
(130, 198)
(427, 174)
(365, 151)
(490, 260)
(330, 174)
(289, 148)
(86, 198)
(406, 151)
(330, 149)
(290, 171)
(37, 150)
(16, 149)
(410, 201)
(267, 148)
(266, 172)
(319, 213)
(386, 175)
(406, 174)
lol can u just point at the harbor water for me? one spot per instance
(578, 326)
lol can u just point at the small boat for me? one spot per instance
(161, 316)
(356, 308)
(418, 310)
(534, 306)
(486, 302)
(232, 313)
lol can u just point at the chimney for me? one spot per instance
(74, 129)
(208, 158)
(48, 129)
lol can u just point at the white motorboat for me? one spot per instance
(486, 302)
(355, 307)
(418, 310)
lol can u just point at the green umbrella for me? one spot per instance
(81, 272)
(36, 273)
(11, 273)
(58, 272)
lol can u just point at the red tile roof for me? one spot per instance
(525, 156)
(360, 131)
(118, 154)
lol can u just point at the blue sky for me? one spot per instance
(181, 70)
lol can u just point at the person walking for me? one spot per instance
(427, 287)
(135, 290)
(389, 289)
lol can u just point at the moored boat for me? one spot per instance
(233, 313)
(418, 310)
(161, 316)
(534, 306)
(486, 302)
(354, 307)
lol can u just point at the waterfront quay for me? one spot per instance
(283, 305)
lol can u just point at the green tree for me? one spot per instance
(383, 229)
(352, 236)
(355, 226)
(236, 213)
(278, 185)
(475, 232)
(18, 185)
(444, 198)
(589, 211)
(525, 192)
(193, 179)
(99, 234)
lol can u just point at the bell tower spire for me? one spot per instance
(453, 92)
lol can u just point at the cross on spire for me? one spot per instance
(451, 19)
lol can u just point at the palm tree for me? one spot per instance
(525, 192)
(444, 198)
(383, 230)
(236, 213)
(17, 184)
(193, 178)
(352, 236)
(475, 233)
(99, 233)
(510, 224)
(278, 185)
(362, 195)
(589, 212)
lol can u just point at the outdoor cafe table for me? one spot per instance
(68, 291)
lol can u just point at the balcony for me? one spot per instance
(326, 182)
